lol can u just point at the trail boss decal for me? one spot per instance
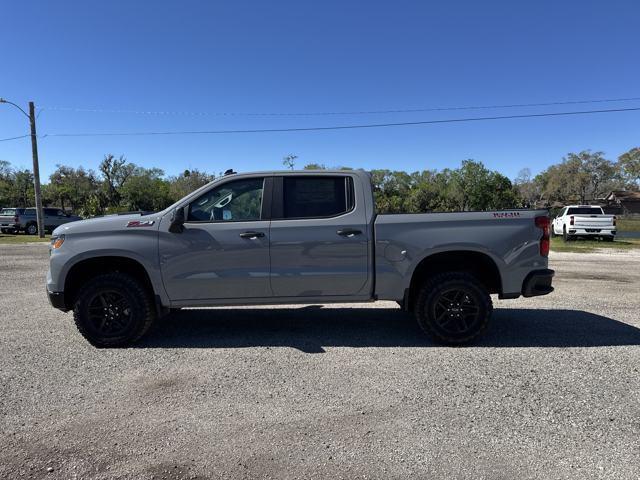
(140, 223)
(506, 214)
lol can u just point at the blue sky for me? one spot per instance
(304, 56)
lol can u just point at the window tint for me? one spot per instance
(239, 200)
(585, 211)
(29, 211)
(51, 211)
(308, 197)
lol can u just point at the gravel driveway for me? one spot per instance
(347, 391)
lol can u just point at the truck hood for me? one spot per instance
(108, 223)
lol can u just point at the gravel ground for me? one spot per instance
(349, 391)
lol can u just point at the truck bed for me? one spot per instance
(510, 238)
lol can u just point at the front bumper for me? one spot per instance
(537, 283)
(56, 299)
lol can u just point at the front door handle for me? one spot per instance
(348, 232)
(251, 235)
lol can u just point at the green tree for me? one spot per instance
(146, 190)
(115, 173)
(391, 190)
(289, 161)
(580, 177)
(72, 187)
(475, 187)
(187, 182)
(629, 165)
(315, 166)
(5, 183)
(527, 188)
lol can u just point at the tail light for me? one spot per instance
(543, 223)
(614, 220)
(571, 221)
(15, 219)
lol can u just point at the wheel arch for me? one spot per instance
(479, 264)
(85, 269)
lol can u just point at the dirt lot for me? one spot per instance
(350, 391)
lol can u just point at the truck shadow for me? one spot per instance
(311, 328)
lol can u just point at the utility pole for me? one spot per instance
(36, 170)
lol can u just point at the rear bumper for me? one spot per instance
(594, 232)
(537, 283)
(56, 299)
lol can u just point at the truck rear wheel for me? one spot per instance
(32, 229)
(453, 308)
(113, 310)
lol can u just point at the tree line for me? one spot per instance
(119, 185)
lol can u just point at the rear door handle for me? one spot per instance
(348, 232)
(251, 235)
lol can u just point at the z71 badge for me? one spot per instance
(140, 223)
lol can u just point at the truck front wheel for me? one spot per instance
(453, 308)
(113, 310)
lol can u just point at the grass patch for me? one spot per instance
(628, 224)
(585, 246)
(10, 239)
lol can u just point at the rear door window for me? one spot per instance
(316, 197)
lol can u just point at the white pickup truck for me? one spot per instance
(584, 221)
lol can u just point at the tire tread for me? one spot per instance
(131, 285)
(429, 289)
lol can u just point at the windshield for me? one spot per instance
(585, 211)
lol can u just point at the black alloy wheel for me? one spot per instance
(113, 310)
(453, 308)
(110, 314)
(456, 310)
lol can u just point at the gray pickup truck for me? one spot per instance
(16, 220)
(294, 237)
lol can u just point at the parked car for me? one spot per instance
(294, 237)
(15, 220)
(576, 221)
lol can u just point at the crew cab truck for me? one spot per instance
(15, 220)
(584, 221)
(294, 237)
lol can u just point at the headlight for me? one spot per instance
(56, 242)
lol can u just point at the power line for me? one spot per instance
(356, 112)
(14, 138)
(342, 127)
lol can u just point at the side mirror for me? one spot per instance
(177, 221)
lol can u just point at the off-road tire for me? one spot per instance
(430, 298)
(119, 285)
